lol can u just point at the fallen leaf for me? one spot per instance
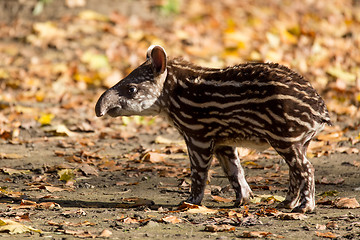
(266, 198)
(23, 218)
(59, 130)
(88, 170)
(92, 15)
(75, 3)
(105, 234)
(66, 174)
(80, 233)
(10, 194)
(221, 199)
(171, 219)
(341, 74)
(255, 234)
(326, 181)
(13, 227)
(219, 228)
(326, 235)
(11, 171)
(46, 118)
(254, 179)
(329, 193)
(291, 216)
(332, 225)
(54, 189)
(333, 136)
(163, 140)
(74, 213)
(130, 220)
(320, 227)
(153, 157)
(192, 208)
(47, 205)
(10, 156)
(65, 223)
(346, 203)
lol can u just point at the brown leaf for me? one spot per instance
(171, 219)
(254, 179)
(219, 228)
(346, 203)
(47, 205)
(153, 157)
(130, 220)
(10, 156)
(320, 227)
(324, 180)
(332, 225)
(221, 199)
(193, 208)
(292, 216)
(23, 218)
(255, 234)
(334, 136)
(326, 235)
(54, 189)
(75, 3)
(88, 170)
(11, 171)
(27, 203)
(105, 234)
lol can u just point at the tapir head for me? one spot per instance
(139, 92)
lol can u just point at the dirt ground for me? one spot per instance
(78, 176)
(99, 200)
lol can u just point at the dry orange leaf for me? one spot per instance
(88, 170)
(54, 189)
(10, 156)
(221, 199)
(255, 234)
(219, 228)
(47, 205)
(192, 208)
(320, 226)
(326, 235)
(153, 157)
(171, 219)
(334, 136)
(347, 203)
(291, 216)
(130, 220)
(105, 234)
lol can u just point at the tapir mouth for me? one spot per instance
(113, 112)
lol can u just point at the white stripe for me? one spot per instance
(247, 101)
(185, 115)
(306, 124)
(275, 116)
(211, 120)
(213, 132)
(174, 102)
(189, 126)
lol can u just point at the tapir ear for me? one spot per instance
(157, 55)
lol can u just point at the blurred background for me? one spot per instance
(58, 56)
(65, 52)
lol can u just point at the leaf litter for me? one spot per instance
(49, 82)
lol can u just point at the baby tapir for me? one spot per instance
(253, 105)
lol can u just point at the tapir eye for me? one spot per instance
(132, 89)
